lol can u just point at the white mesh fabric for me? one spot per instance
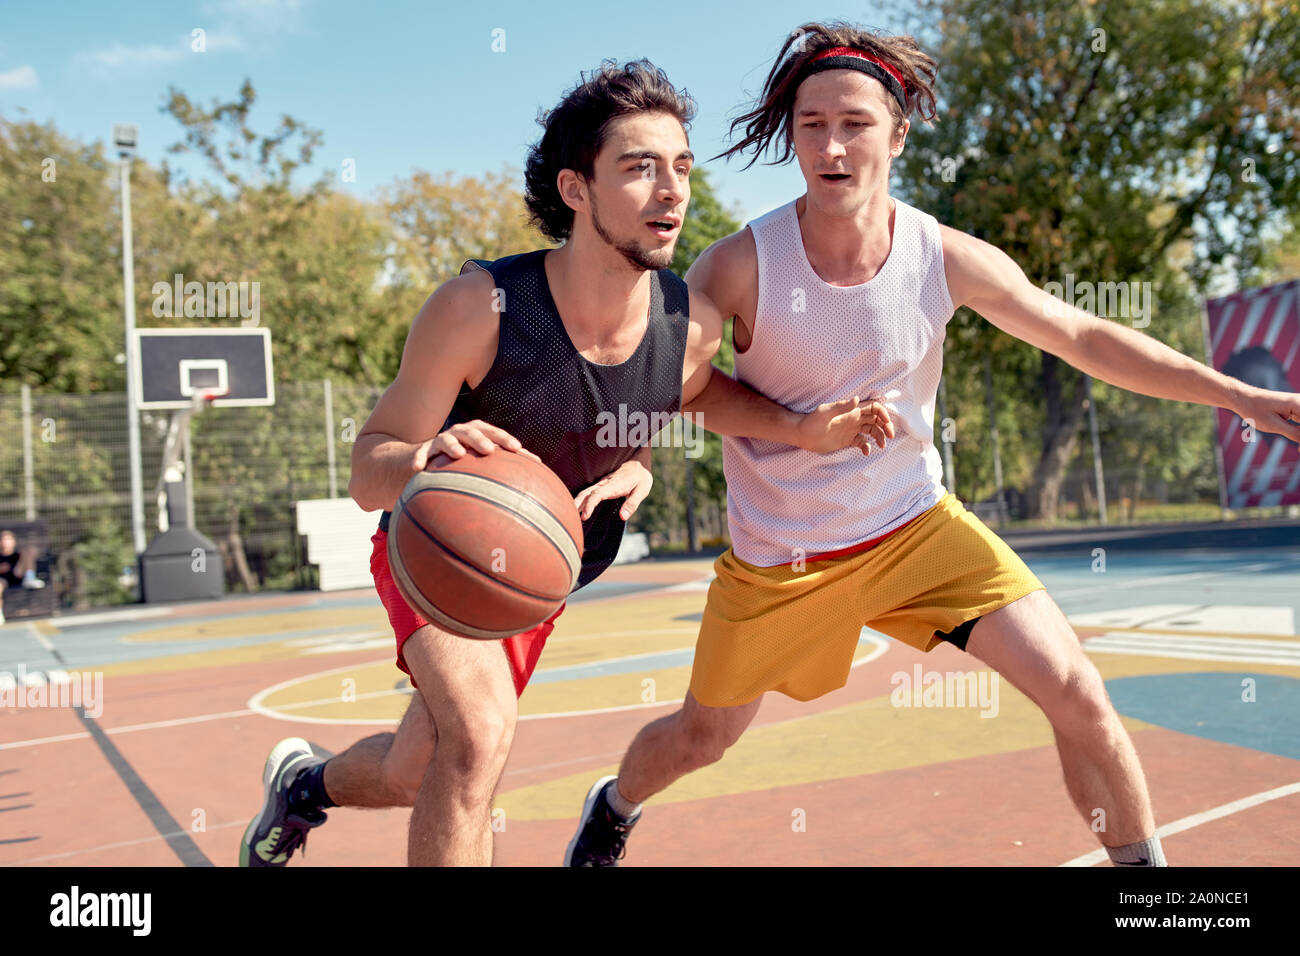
(881, 339)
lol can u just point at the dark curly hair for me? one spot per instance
(575, 132)
(770, 124)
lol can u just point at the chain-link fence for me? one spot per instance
(1140, 459)
(63, 461)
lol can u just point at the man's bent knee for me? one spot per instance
(470, 695)
(474, 752)
(1081, 704)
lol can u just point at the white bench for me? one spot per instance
(634, 546)
(338, 541)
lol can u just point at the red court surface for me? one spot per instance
(162, 767)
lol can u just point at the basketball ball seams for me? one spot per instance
(425, 608)
(511, 490)
(439, 556)
(548, 533)
(504, 496)
(423, 477)
(467, 561)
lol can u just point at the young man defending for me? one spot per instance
(823, 545)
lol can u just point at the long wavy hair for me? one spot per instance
(770, 125)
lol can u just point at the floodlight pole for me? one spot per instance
(124, 137)
(1097, 476)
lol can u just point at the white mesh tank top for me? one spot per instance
(816, 343)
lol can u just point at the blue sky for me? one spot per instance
(395, 86)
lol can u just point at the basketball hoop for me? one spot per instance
(204, 397)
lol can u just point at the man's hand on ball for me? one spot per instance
(464, 437)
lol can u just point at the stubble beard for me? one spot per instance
(647, 260)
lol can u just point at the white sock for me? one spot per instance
(620, 804)
(1143, 853)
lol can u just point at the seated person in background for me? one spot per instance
(17, 568)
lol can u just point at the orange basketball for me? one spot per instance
(485, 546)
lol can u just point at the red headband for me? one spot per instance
(873, 67)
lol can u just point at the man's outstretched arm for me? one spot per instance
(987, 280)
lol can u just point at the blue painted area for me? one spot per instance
(634, 665)
(608, 589)
(99, 651)
(1265, 577)
(100, 644)
(1262, 576)
(1210, 706)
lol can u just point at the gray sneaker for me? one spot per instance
(275, 833)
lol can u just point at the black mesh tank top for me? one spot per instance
(543, 392)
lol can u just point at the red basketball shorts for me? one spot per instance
(522, 650)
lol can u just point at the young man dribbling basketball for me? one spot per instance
(886, 546)
(525, 356)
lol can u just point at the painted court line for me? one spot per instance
(110, 617)
(113, 846)
(601, 635)
(41, 639)
(1132, 645)
(255, 705)
(1196, 819)
(184, 847)
(130, 728)
(879, 646)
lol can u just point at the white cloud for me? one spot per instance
(19, 78)
(223, 40)
(261, 8)
(239, 25)
(260, 18)
(125, 56)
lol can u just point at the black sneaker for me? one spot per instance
(602, 833)
(275, 833)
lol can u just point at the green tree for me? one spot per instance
(60, 262)
(435, 223)
(1094, 139)
(340, 282)
(440, 221)
(316, 254)
(1282, 261)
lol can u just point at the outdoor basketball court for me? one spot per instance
(1198, 648)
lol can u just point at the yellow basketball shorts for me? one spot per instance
(794, 627)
